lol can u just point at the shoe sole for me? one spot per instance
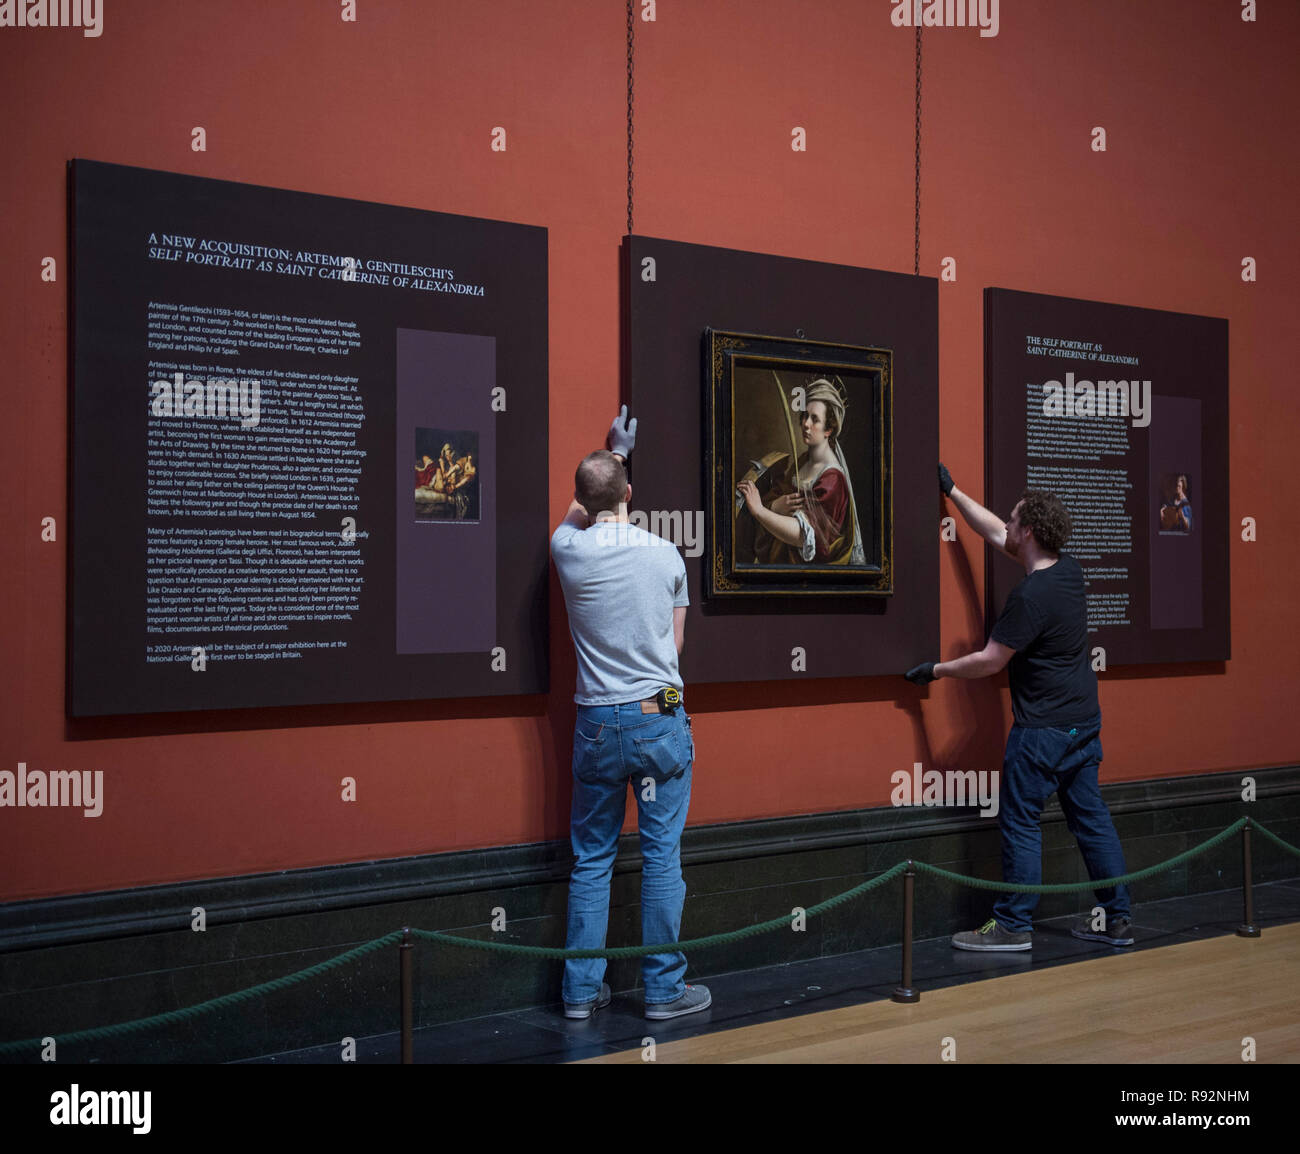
(992, 949)
(1086, 937)
(581, 1015)
(661, 1016)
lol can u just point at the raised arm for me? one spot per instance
(576, 516)
(987, 524)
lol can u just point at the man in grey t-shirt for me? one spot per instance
(625, 591)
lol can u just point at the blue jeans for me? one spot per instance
(1038, 761)
(612, 746)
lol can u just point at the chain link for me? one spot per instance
(916, 254)
(631, 26)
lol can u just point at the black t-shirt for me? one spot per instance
(1046, 622)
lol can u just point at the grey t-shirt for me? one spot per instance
(621, 585)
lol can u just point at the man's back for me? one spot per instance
(1046, 622)
(620, 585)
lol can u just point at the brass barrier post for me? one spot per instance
(905, 992)
(404, 952)
(1247, 929)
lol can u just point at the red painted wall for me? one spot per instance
(1201, 170)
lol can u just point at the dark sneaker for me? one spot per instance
(1118, 932)
(586, 1009)
(693, 999)
(991, 936)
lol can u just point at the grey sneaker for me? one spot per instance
(991, 936)
(1118, 932)
(586, 1009)
(693, 999)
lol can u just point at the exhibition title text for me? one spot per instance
(238, 256)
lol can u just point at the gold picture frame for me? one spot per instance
(799, 460)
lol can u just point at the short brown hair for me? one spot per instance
(1045, 515)
(600, 484)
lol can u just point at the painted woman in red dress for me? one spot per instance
(815, 523)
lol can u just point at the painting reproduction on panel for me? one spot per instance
(446, 475)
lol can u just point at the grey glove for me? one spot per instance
(945, 479)
(622, 434)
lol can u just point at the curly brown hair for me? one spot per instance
(1046, 516)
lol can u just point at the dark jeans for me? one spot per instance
(1038, 761)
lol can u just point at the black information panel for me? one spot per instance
(1123, 413)
(675, 292)
(306, 440)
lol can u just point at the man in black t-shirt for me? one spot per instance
(1055, 744)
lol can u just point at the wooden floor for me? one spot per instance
(1192, 1002)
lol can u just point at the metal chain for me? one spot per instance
(631, 26)
(916, 255)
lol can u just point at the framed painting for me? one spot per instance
(799, 464)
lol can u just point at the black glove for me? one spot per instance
(921, 674)
(945, 479)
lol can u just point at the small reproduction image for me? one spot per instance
(1175, 504)
(446, 475)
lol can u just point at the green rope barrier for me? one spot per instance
(556, 952)
(1277, 841)
(1099, 883)
(172, 1016)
